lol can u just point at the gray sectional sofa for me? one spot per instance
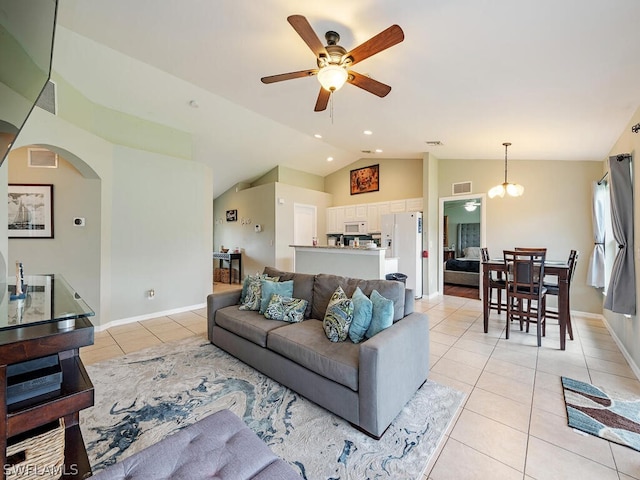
(367, 383)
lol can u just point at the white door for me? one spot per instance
(305, 225)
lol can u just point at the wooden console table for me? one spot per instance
(41, 337)
(230, 257)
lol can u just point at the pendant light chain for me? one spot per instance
(506, 145)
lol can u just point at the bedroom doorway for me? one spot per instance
(462, 221)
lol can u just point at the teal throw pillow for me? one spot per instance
(285, 308)
(338, 316)
(270, 287)
(382, 314)
(362, 311)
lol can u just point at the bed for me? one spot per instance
(465, 268)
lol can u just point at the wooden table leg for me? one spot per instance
(485, 297)
(563, 308)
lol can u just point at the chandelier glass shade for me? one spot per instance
(511, 189)
(332, 77)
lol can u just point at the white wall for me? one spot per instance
(74, 252)
(554, 212)
(161, 233)
(260, 205)
(288, 195)
(164, 200)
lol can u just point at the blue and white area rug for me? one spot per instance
(607, 415)
(144, 396)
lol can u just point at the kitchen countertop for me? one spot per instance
(329, 247)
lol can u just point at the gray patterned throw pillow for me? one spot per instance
(338, 316)
(285, 308)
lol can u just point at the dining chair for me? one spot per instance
(526, 293)
(554, 289)
(496, 283)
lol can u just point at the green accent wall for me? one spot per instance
(118, 127)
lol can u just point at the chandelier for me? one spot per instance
(511, 189)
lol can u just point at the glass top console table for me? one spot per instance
(48, 298)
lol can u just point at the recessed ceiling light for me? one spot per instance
(317, 135)
(368, 132)
(378, 150)
(329, 159)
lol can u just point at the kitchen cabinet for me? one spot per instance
(374, 213)
(414, 204)
(332, 224)
(349, 213)
(397, 206)
(369, 212)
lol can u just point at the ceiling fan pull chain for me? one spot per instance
(331, 107)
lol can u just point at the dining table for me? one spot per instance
(556, 268)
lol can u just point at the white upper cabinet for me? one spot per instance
(397, 206)
(414, 204)
(371, 212)
(332, 217)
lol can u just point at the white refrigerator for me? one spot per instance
(402, 237)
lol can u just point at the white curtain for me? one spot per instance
(595, 274)
(621, 294)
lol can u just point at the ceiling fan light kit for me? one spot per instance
(511, 189)
(334, 62)
(332, 77)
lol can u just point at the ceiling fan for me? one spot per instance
(471, 205)
(334, 62)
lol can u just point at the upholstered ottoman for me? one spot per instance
(219, 446)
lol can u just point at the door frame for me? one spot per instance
(482, 197)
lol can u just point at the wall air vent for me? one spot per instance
(42, 158)
(461, 188)
(47, 99)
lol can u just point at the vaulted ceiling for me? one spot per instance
(558, 79)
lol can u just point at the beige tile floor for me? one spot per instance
(513, 424)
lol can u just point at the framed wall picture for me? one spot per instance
(365, 179)
(30, 211)
(232, 215)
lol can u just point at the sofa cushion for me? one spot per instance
(218, 446)
(286, 309)
(302, 285)
(362, 312)
(326, 284)
(270, 287)
(246, 324)
(338, 316)
(305, 344)
(382, 316)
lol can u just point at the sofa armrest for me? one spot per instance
(409, 301)
(216, 301)
(393, 364)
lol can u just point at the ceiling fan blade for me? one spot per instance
(323, 100)
(302, 26)
(289, 76)
(385, 39)
(368, 84)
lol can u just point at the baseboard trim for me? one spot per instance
(148, 316)
(623, 349)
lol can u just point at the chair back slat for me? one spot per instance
(525, 270)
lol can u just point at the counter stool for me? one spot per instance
(495, 283)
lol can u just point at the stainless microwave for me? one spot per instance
(355, 228)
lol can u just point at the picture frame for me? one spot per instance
(364, 180)
(232, 215)
(30, 210)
